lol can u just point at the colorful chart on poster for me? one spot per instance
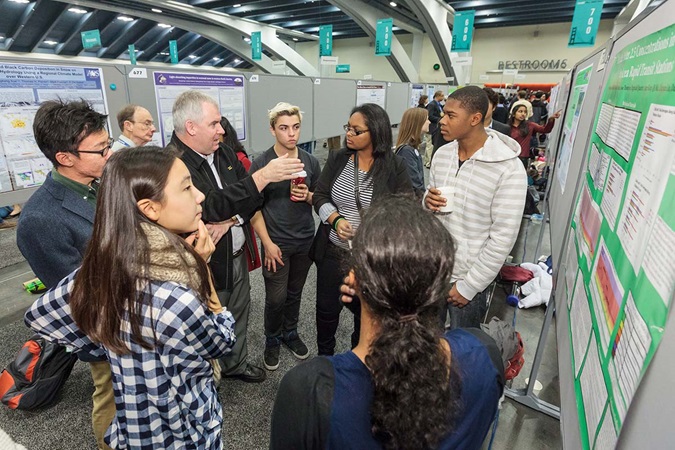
(23, 87)
(623, 225)
(227, 90)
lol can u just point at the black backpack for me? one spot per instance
(35, 377)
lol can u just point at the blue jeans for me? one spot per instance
(471, 316)
(5, 211)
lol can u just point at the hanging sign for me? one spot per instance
(91, 39)
(132, 54)
(462, 31)
(326, 40)
(173, 51)
(256, 46)
(383, 35)
(585, 23)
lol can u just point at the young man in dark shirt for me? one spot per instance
(286, 229)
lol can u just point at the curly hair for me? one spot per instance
(402, 258)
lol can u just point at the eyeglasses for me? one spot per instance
(353, 130)
(146, 124)
(103, 151)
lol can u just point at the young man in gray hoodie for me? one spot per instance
(486, 184)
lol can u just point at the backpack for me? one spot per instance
(35, 377)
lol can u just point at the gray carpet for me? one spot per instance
(246, 407)
(9, 252)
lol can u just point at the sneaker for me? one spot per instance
(5, 225)
(271, 356)
(295, 345)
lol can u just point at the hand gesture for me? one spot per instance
(219, 229)
(202, 242)
(434, 201)
(281, 169)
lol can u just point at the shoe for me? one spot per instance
(5, 225)
(271, 357)
(295, 345)
(16, 211)
(251, 374)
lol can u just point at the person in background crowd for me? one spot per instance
(286, 228)
(522, 130)
(57, 221)
(414, 123)
(426, 137)
(493, 98)
(435, 109)
(522, 100)
(485, 187)
(137, 127)
(353, 177)
(501, 112)
(143, 299)
(539, 109)
(230, 140)
(407, 384)
(232, 198)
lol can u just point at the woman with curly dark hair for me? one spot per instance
(407, 384)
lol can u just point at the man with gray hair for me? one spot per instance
(232, 198)
(136, 125)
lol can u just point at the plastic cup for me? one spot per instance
(449, 193)
(299, 179)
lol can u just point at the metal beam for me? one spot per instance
(366, 17)
(48, 30)
(225, 37)
(434, 18)
(27, 12)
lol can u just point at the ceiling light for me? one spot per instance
(19, 1)
(158, 11)
(164, 25)
(295, 39)
(215, 58)
(49, 42)
(247, 39)
(237, 61)
(192, 56)
(77, 10)
(393, 4)
(125, 18)
(237, 5)
(164, 53)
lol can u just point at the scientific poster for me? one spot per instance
(23, 87)
(227, 90)
(582, 78)
(417, 90)
(370, 93)
(623, 224)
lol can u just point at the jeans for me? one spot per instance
(238, 302)
(283, 289)
(5, 211)
(330, 273)
(471, 316)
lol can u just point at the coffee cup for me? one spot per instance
(299, 179)
(448, 192)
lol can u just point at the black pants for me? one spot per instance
(330, 273)
(283, 289)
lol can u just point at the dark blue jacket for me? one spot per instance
(53, 232)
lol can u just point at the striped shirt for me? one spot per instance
(165, 397)
(343, 200)
(489, 199)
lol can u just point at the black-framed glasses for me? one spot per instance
(103, 151)
(353, 130)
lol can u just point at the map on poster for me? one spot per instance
(23, 87)
(624, 225)
(227, 90)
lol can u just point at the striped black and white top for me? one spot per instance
(343, 200)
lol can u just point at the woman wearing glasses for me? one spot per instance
(353, 177)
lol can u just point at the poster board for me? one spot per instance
(615, 287)
(333, 101)
(265, 91)
(573, 129)
(396, 101)
(368, 91)
(416, 91)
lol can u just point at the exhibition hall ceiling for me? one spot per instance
(54, 27)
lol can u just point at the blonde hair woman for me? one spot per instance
(415, 121)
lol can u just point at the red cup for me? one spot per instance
(299, 179)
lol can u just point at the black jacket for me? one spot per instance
(501, 127)
(434, 109)
(239, 196)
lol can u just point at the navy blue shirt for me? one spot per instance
(344, 394)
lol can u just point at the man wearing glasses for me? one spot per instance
(137, 127)
(57, 221)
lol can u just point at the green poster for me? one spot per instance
(621, 253)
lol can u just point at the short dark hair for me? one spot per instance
(538, 94)
(492, 96)
(126, 113)
(60, 126)
(473, 99)
(522, 93)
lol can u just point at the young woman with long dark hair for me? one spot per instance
(339, 202)
(408, 384)
(522, 129)
(143, 298)
(415, 121)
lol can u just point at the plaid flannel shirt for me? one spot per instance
(165, 397)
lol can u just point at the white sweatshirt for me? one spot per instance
(489, 200)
